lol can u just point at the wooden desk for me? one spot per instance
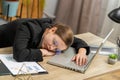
(98, 66)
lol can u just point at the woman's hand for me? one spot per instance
(47, 53)
(81, 57)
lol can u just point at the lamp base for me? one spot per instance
(118, 53)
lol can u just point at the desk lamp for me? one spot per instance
(114, 15)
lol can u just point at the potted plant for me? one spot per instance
(112, 58)
(10, 7)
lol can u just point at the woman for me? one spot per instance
(34, 38)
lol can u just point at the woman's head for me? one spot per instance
(58, 36)
(65, 33)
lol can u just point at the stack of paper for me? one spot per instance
(17, 68)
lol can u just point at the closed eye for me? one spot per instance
(55, 43)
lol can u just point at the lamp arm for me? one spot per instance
(108, 35)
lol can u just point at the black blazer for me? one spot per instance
(25, 35)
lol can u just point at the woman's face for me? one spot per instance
(52, 41)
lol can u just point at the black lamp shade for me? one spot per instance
(115, 15)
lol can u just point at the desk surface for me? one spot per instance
(98, 66)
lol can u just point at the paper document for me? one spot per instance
(17, 68)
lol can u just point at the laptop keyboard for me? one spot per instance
(72, 65)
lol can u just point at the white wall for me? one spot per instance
(50, 6)
(109, 24)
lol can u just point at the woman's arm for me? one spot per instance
(79, 43)
(82, 50)
(21, 49)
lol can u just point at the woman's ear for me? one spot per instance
(53, 29)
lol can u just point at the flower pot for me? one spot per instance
(10, 11)
(112, 61)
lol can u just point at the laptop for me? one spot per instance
(64, 59)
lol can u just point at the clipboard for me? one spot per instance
(3, 69)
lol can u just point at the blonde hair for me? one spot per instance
(65, 33)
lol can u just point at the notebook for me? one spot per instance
(64, 59)
(106, 50)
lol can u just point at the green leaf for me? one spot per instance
(113, 56)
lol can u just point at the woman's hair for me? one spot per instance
(65, 33)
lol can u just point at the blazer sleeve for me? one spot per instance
(79, 43)
(21, 50)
